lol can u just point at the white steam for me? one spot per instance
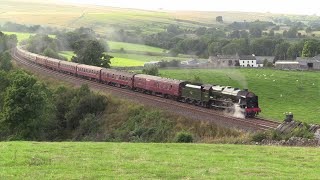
(235, 111)
(238, 111)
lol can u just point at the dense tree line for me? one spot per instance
(6, 43)
(257, 37)
(44, 45)
(15, 27)
(32, 111)
(83, 42)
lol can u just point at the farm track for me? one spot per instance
(190, 111)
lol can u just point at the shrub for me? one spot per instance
(184, 137)
(275, 135)
(152, 70)
(302, 132)
(258, 137)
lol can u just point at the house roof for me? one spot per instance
(247, 57)
(305, 59)
(287, 62)
(260, 61)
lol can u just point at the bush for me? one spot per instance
(302, 132)
(275, 135)
(183, 137)
(258, 137)
(152, 70)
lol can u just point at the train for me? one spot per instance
(204, 95)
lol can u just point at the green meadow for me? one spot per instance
(124, 60)
(23, 36)
(20, 36)
(279, 91)
(88, 160)
(113, 45)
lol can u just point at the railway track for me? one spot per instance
(192, 111)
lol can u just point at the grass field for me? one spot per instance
(278, 91)
(23, 36)
(70, 160)
(20, 36)
(129, 59)
(113, 45)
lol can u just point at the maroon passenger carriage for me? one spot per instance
(52, 63)
(90, 72)
(68, 67)
(117, 78)
(41, 60)
(169, 88)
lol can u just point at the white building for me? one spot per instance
(248, 61)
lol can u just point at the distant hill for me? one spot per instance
(105, 19)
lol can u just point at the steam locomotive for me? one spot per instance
(208, 96)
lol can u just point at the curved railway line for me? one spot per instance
(218, 117)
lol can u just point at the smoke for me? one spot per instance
(236, 75)
(238, 111)
(235, 111)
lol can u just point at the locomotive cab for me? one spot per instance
(252, 108)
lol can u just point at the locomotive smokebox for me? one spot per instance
(289, 117)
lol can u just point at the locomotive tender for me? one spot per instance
(209, 96)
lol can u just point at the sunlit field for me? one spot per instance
(71, 160)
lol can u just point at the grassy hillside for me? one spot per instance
(106, 19)
(33, 160)
(278, 91)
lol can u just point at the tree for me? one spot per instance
(5, 61)
(281, 50)
(219, 19)
(308, 30)
(201, 31)
(39, 42)
(295, 50)
(82, 104)
(53, 54)
(25, 107)
(91, 52)
(292, 32)
(284, 33)
(173, 29)
(4, 79)
(311, 48)
(271, 33)
(7, 41)
(266, 63)
(263, 46)
(235, 34)
(152, 70)
(215, 47)
(255, 32)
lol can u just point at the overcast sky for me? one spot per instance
(275, 6)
